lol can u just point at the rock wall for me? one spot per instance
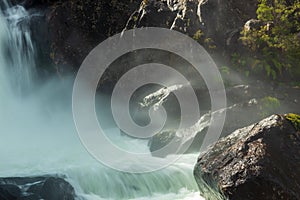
(215, 24)
(74, 27)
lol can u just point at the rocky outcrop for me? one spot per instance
(74, 27)
(246, 105)
(66, 31)
(35, 188)
(34, 3)
(257, 162)
(215, 24)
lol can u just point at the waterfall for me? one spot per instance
(18, 53)
(38, 137)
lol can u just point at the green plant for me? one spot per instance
(135, 18)
(209, 42)
(269, 105)
(294, 119)
(198, 36)
(276, 41)
(225, 70)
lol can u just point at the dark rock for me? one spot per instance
(160, 140)
(66, 31)
(76, 27)
(30, 197)
(57, 188)
(257, 162)
(36, 188)
(41, 37)
(73, 28)
(9, 192)
(215, 24)
(246, 105)
(33, 3)
(223, 18)
(175, 15)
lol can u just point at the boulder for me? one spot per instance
(36, 188)
(260, 161)
(9, 192)
(57, 188)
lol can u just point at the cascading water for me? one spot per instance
(38, 135)
(20, 53)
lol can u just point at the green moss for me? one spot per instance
(269, 105)
(198, 35)
(295, 119)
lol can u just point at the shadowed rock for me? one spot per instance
(36, 188)
(257, 162)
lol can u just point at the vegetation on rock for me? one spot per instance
(295, 119)
(269, 105)
(274, 39)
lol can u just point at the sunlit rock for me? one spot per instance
(257, 162)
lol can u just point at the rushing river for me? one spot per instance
(38, 136)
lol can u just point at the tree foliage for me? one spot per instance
(276, 41)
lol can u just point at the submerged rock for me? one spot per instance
(36, 188)
(260, 161)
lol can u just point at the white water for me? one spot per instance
(157, 98)
(37, 134)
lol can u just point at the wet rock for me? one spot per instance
(246, 105)
(215, 24)
(57, 188)
(256, 162)
(36, 188)
(33, 3)
(252, 24)
(9, 192)
(66, 31)
(76, 27)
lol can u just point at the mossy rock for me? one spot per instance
(295, 119)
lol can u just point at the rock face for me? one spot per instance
(36, 188)
(257, 162)
(66, 31)
(215, 24)
(74, 27)
(77, 26)
(246, 105)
